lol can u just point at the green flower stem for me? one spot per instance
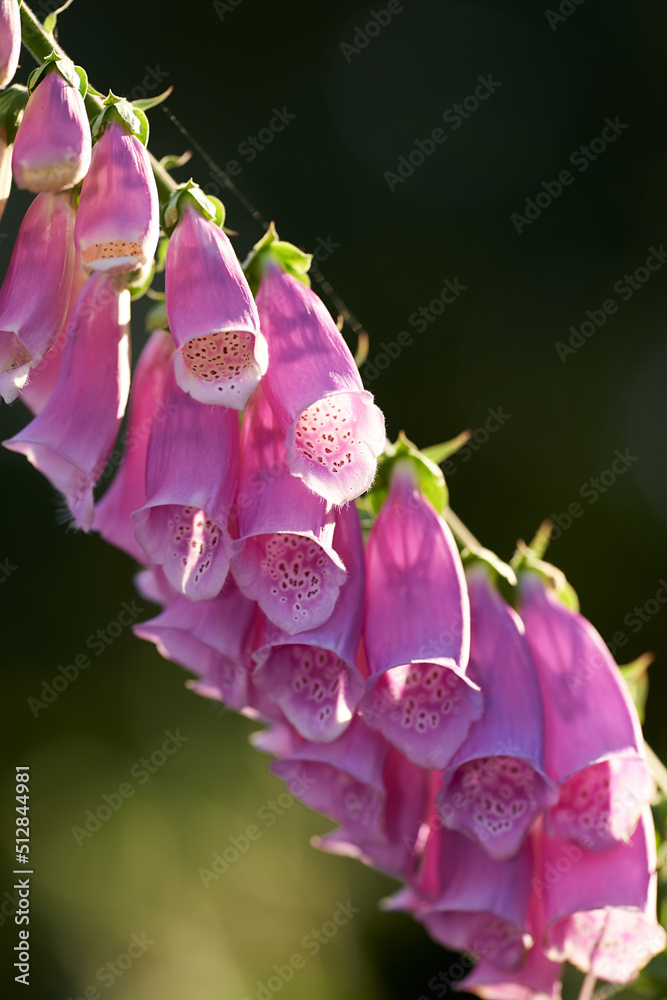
(40, 44)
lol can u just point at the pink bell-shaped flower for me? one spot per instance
(70, 440)
(285, 558)
(600, 907)
(53, 143)
(127, 493)
(191, 480)
(417, 629)
(312, 676)
(35, 293)
(593, 740)
(221, 353)
(117, 223)
(10, 40)
(207, 637)
(334, 432)
(496, 785)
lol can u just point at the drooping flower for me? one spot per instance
(53, 143)
(334, 432)
(10, 40)
(593, 740)
(117, 223)
(284, 558)
(70, 440)
(207, 637)
(496, 785)
(417, 629)
(312, 676)
(600, 907)
(191, 480)
(221, 352)
(44, 375)
(35, 293)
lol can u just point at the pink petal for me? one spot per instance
(10, 40)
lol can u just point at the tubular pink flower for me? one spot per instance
(496, 785)
(417, 629)
(44, 375)
(391, 841)
(221, 353)
(127, 493)
(601, 906)
(5, 168)
(70, 440)
(117, 223)
(284, 558)
(593, 740)
(53, 143)
(36, 289)
(313, 676)
(207, 637)
(333, 429)
(191, 479)
(10, 40)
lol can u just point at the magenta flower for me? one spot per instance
(36, 289)
(191, 480)
(44, 375)
(70, 440)
(53, 143)
(209, 638)
(593, 740)
(10, 40)
(495, 786)
(417, 629)
(221, 353)
(334, 431)
(117, 224)
(127, 493)
(600, 907)
(5, 169)
(285, 558)
(312, 676)
(470, 902)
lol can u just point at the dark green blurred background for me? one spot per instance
(493, 348)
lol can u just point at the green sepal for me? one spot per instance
(429, 477)
(139, 281)
(211, 207)
(526, 559)
(172, 161)
(119, 109)
(438, 453)
(75, 75)
(635, 675)
(503, 574)
(156, 317)
(150, 102)
(12, 105)
(271, 249)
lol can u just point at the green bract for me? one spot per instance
(119, 109)
(12, 104)
(75, 75)
(191, 193)
(272, 249)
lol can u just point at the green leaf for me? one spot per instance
(437, 453)
(75, 76)
(271, 249)
(151, 102)
(12, 104)
(50, 19)
(121, 110)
